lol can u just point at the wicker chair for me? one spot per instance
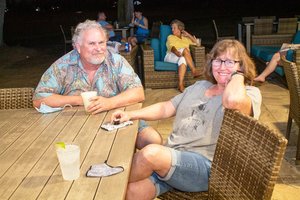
(218, 36)
(16, 98)
(246, 162)
(168, 79)
(285, 31)
(292, 74)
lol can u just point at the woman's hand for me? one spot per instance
(120, 115)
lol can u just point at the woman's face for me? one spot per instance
(223, 66)
(138, 14)
(175, 30)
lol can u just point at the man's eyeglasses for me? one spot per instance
(228, 63)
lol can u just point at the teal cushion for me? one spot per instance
(296, 39)
(255, 49)
(267, 55)
(165, 31)
(156, 48)
(279, 70)
(165, 66)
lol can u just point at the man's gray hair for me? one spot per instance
(86, 25)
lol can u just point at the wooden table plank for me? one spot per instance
(31, 154)
(10, 119)
(114, 187)
(40, 174)
(57, 188)
(85, 187)
(22, 143)
(29, 167)
(18, 130)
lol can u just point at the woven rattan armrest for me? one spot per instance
(271, 39)
(16, 98)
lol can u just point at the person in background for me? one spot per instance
(184, 161)
(142, 31)
(275, 60)
(89, 67)
(110, 28)
(178, 51)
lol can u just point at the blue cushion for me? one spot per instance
(255, 49)
(165, 31)
(155, 44)
(165, 66)
(296, 39)
(267, 55)
(279, 70)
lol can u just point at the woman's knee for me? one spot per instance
(151, 153)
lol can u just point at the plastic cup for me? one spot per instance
(86, 96)
(69, 161)
(198, 42)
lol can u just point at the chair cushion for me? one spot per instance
(165, 66)
(155, 44)
(165, 31)
(256, 49)
(267, 54)
(279, 70)
(296, 39)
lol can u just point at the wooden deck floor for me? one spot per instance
(275, 106)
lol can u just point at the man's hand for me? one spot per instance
(99, 104)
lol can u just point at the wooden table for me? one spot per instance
(29, 167)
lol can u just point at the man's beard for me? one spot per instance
(97, 61)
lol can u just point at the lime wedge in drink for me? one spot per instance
(61, 145)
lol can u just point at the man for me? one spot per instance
(89, 67)
(102, 21)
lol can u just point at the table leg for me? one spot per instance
(240, 32)
(248, 37)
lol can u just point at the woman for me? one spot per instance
(184, 162)
(178, 51)
(142, 31)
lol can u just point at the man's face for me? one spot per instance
(92, 47)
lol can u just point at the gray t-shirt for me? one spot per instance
(198, 118)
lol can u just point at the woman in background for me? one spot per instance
(178, 51)
(142, 31)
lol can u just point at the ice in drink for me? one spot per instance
(69, 161)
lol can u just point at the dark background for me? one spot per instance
(36, 22)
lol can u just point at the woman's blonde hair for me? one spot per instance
(179, 23)
(238, 51)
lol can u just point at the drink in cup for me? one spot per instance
(69, 161)
(86, 96)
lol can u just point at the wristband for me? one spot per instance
(237, 72)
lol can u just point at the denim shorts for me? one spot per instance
(142, 125)
(189, 172)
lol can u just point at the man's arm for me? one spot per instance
(56, 100)
(128, 97)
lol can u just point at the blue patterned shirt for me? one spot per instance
(66, 76)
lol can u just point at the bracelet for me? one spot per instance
(237, 72)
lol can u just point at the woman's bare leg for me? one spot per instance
(269, 68)
(181, 73)
(189, 60)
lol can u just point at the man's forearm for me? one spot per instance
(128, 97)
(56, 100)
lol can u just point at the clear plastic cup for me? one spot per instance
(86, 96)
(69, 161)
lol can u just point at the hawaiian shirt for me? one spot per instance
(66, 76)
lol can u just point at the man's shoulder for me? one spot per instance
(69, 59)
